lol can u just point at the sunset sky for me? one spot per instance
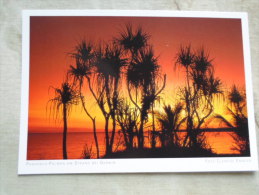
(53, 38)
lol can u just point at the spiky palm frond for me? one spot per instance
(79, 72)
(185, 56)
(143, 68)
(109, 61)
(83, 56)
(213, 86)
(201, 62)
(202, 74)
(65, 95)
(235, 97)
(199, 80)
(83, 51)
(133, 40)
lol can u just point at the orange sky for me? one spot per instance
(51, 38)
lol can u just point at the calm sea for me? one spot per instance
(49, 145)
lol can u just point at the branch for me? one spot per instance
(162, 88)
(131, 99)
(95, 97)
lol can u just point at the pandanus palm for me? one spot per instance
(201, 88)
(132, 41)
(65, 97)
(185, 58)
(108, 64)
(141, 75)
(83, 56)
(237, 110)
(205, 89)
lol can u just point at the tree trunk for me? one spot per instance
(92, 119)
(131, 137)
(141, 135)
(128, 147)
(107, 144)
(153, 140)
(65, 131)
(113, 110)
(95, 138)
(113, 130)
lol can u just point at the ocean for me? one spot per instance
(48, 146)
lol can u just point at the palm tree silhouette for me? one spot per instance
(198, 94)
(132, 42)
(83, 56)
(239, 121)
(108, 64)
(65, 97)
(170, 122)
(141, 74)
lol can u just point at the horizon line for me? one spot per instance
(220, 129)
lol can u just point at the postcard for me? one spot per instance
(119, 91)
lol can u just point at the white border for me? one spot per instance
(133, 165)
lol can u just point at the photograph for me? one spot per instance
(105, 85)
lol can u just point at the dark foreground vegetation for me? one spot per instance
(162, 153)
(167, 153)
